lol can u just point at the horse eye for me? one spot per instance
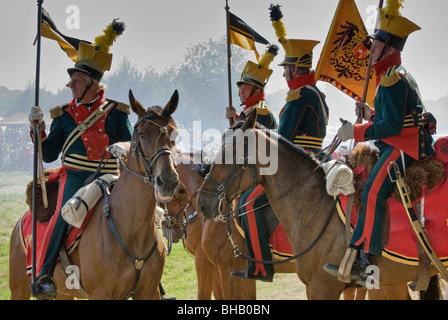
(141, 136)
(181, 191)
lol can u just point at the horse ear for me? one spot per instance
(136, 106)
(171, 106)
(250, 122)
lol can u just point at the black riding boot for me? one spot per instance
(353, 267)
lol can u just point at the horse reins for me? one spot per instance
(147, 178)
(171, 221)
(239, 254)
(221, 193)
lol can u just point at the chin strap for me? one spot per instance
(85, 92)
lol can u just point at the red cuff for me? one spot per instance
(359, 131)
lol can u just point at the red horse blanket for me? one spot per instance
(278, 241)
(402, 245)
(71, 241)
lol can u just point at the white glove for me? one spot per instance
(364, 108)
(119, 149)
(346, 131)
(36, 115)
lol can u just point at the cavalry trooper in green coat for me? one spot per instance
(399, 132)
(304, 118)
(254, 202)
(81, 130)
(251, 91)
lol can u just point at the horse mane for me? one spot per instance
(203, 168)
(271, 133)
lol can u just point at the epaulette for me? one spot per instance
(390, 77)
(123, 107)
(293, 95)
(57, 111)
(263, 109)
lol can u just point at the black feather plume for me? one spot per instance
(273, 49)
(276, 13)
(118, 26)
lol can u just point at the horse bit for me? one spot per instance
(221, 189)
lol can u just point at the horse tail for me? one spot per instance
(434, 291)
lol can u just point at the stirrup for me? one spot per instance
(44, 288)
(346, 265)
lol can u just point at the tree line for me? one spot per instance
(201, 80)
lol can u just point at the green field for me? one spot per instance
(179, 277)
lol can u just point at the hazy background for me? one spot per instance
(180, 45)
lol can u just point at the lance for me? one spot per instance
(229, 54)
(369, 68)
(36, 147)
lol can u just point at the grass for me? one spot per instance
(12, 206)
(179, 276)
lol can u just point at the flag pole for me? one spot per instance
(35, 133)
(229, 54)
(369, 68)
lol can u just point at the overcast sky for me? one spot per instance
(159, 31)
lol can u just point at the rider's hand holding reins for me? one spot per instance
(119, 149)
(346, 131)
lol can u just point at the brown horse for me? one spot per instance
(297, 194)
(207, 240)
(105, 269)
(183, 222)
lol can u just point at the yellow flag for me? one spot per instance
(68, 44)
(345, 57)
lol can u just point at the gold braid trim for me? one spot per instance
(391, 77)
(123, 107)
(293, 95)
(57, 111)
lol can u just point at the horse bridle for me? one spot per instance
(148, 162)
(221, 189)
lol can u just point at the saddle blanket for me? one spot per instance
(402, 245)
(71, 241)
(278, 242)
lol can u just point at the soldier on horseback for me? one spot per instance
(397, 127)
(81, 130)
(304, 118)
(303, 122)
(251, 91)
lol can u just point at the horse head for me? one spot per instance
(178, 210)
(233, 169)
(153, 146)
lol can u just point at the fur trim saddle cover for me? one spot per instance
(44, 215)
(421, 176)
(426, 178)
